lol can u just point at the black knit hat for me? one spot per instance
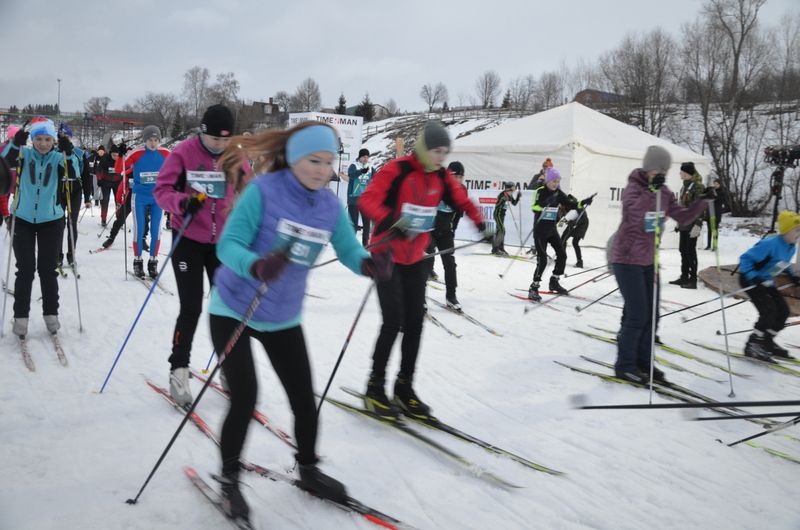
(363, 152)
(217, 121)
(435, 135)
(688, 167)
(456, 167)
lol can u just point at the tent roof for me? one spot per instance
(547, 132)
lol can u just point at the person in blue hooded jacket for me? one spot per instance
(279, 224)
(38, 210)
(759, 266)
(359, 173)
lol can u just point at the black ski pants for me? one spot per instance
(122, 214)
(498, 242)
(634, 339)
(772, 308)
(287, 352)
(37, 246)
(688, 250)
(73, 212)
(109, 190)
(354, 212)
(541, 240)
(189, 260)
(402, 300)
(443, 240)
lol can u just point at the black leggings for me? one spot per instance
(287, 353)
(354, 212)
(189, 260)
(772, 308)
(109, 189)
(443, 241)
(541, 241)
(30, 239)
(72, 219)
(688, 249)
(402, 300)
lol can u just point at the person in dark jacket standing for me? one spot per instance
(632, 256)
(359, 174)
(500, 206)
(443, 238)
(402, 200)
(546, 201)
(721, 206)
(577, 221)
(691, 190)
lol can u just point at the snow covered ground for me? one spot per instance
(71, 457)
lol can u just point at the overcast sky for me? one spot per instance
(389, 49)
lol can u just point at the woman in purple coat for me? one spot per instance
(633, 249)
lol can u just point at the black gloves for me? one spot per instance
(65, 145)
(364, 170)
(658, 180)
(21, 138)
(378, 266)
(587, 201)
(122, 149)
(192, 204)
(269, 267)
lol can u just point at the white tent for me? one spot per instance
(595, 153)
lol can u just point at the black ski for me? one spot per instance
(148, 282)
(214, 497)
(436, 424)
(438, 323)
(469, 318)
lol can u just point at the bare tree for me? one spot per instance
(307, 97)
(487, 88)
(282, 99)
(225, 91)
(163, 107)
(523, 92)
(391, 108)
(97, 105)
(551, 88)
(432, 95)
(195, 88)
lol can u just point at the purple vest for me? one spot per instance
(282, 197)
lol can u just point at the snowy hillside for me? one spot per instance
(71, 456)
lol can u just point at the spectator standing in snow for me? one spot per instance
(359, 174)
(691, 190)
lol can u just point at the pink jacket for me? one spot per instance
(172, 187)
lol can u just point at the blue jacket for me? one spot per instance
(358, 181)
(39, 196)
(251, 232)
(761, 262)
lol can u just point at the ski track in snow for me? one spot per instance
(71, 456)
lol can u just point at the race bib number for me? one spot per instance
(148, 177)
(650, 222)
(550, 213)
(213, 182)
(302, 243)
(420, 218)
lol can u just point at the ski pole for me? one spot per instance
(103, 231)
(262, 289)
(685, 320)
(718, 404)
(392, 235)
(584, 271)
(82, 214)
(178, 237)
(344, 347)
(718, 332)
(749, 416)
(590, 304)
(656, 265)
(600, 277)
(451, 249)
(125, 223)
(8, 273)
(778, 427)
(519, 253)
(71, 242)
(714, 236)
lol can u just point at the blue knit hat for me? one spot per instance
(43, 127)
(311, 140)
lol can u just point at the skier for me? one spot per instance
(546, 201)
(506, 196)
(124, 198)
(144, 164)
(758, 267)
(632, 257)
(39, 224)
(276, 215)
(359, 174)
(577, 221)
(402, 201)
(5, 215)
(443, 238)
(192, 164)
(108, 180)
(692, 189)
(74, 188)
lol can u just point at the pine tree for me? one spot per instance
(506, 104)
(365, 109)
(177, 125)
(341, 108)
(445, 108)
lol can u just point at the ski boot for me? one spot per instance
(533, 292)
(179, 386)
(579, 264)
(233, 503)
(776, 350)
(375, 400)
(152, 268)
(20, 327)
(636, 376)
(556, 287)
(407, 400)
(679, 281)
(138, 268)
(51, 322)
(452, 303)
(315, 481)
(658, 375)
(108, 242)
(757, 347)
(690, 283)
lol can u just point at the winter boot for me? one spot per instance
(658, 375)
(20, 327)
(533, 292)
(108, 242)
(690, 283)
(315, 481)
(407, 400)
(776, 350)
(51, 321)
(757, 347)
(152, 268)
(233, 503)
(179, 386)
(452, 303)
(556, 287)
(579, 264)
(375, 400)
(679, 281)
(138, 268)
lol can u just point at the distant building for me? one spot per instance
(260, 115)
(597, 98)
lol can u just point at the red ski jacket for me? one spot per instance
(404, 181)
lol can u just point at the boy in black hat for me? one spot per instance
(506, 196)
(691, 190)
(360, 173)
